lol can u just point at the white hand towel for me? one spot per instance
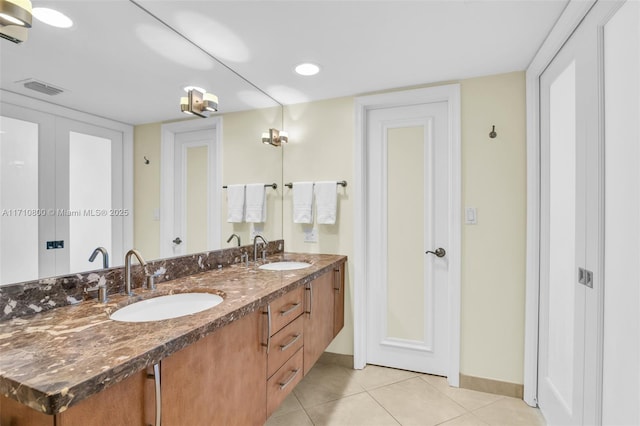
(326, 202)
(256, 204)
(302, 202)
(235, 203)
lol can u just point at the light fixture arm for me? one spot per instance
(17, 12)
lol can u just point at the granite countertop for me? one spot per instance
(53, 360)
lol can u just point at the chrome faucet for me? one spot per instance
(231, 238)
(255, 246)
(105, 256)
(127, 269)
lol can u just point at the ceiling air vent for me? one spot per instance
(41, 87)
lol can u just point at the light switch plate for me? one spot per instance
(311, 235)
(471, 216)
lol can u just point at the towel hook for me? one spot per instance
(493, 133)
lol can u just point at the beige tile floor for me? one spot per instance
(334, 395)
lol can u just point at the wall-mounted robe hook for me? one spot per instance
(146, 160)
(493, 133)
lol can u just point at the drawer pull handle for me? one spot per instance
(268, 314)
(156, 379)
(290, 379)
(291, 309)
(288, 345)
(310, 290)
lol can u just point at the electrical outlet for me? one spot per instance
(311, 235)
(256, 229)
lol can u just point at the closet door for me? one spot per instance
(89, 194)
(565, 92)
(27, 194)
(572, 226)
(61, 180)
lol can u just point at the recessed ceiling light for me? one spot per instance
(52, 17)
(307, 69)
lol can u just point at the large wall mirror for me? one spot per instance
(93, 142)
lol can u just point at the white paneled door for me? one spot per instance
(571, 227)
(192, 203)
(408, 212)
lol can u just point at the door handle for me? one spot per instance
(440, 252)
(177, 240)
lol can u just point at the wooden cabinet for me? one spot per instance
(284, 344)
(219, 379)
(324, 313)
(120, 404)
(285, 354)
(284, 380)
(318, 318)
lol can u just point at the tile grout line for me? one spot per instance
(304, 409)
(383, 407)
(501, 397)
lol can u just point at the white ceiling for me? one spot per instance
(119, 62)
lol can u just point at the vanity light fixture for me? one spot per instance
(198, 102)
(15, 20)
(15, 12)
(275, 137)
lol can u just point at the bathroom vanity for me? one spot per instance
(232, 364)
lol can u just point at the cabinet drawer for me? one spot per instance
(284, 344)
(286, 308)
(283, 381)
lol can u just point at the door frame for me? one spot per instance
(167, 179)
(445, 93)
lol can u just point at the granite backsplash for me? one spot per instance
(41, 295)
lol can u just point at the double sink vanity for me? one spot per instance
(223, 346)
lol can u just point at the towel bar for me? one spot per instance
(266, 185)
(341, 183)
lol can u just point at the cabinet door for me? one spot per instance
(219, 380)
(318, 321)
(121, 404)
(15, 414)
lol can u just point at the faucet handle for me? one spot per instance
(102, 291)
(150, 281)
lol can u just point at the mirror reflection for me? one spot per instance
(96, 153)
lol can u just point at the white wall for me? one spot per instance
(621, 368)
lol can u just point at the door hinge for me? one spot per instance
(585, 277)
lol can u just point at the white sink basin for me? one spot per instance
(284, 266)
(165, 307)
